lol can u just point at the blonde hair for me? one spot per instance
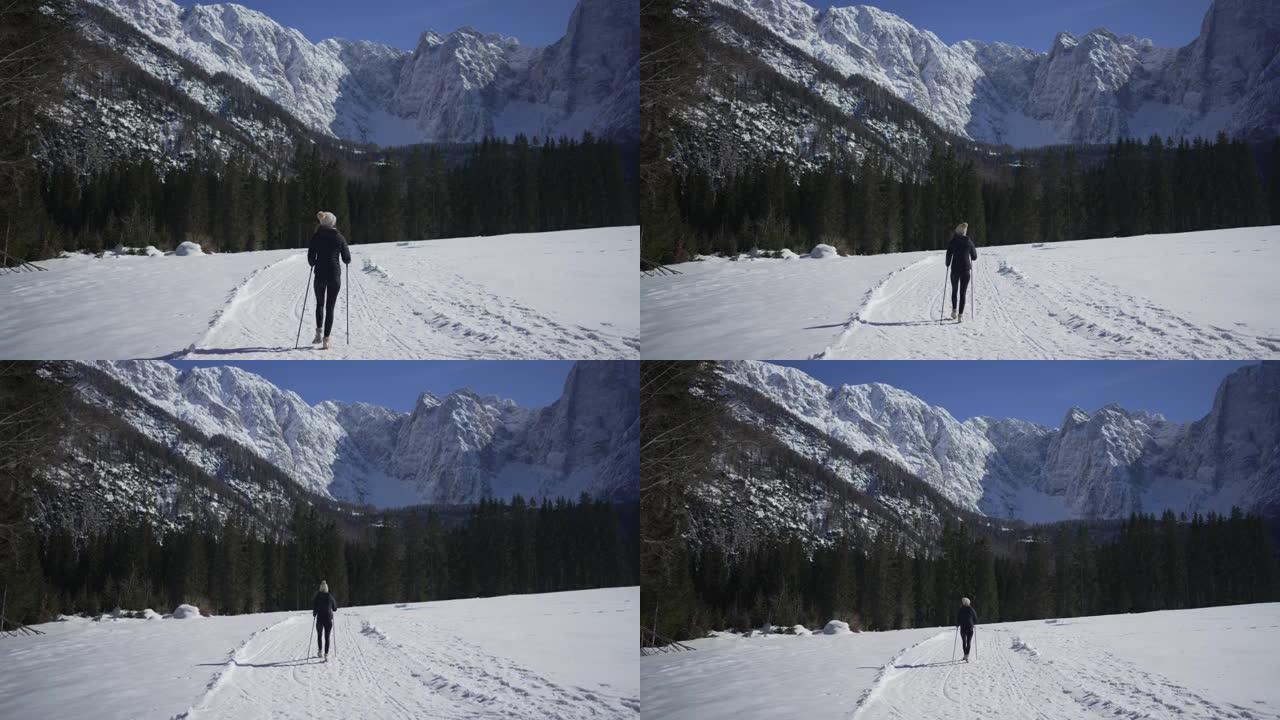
(962, 228)
(964, 601)
(327, 219)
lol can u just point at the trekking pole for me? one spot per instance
(335, 637)
(301, 317)
(348, 303)
(942, 307)
(975, 642)
(975, 293)
(310, 632)
(953, 644)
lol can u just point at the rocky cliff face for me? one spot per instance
(1104, 464)
(1088, 89)
(458, 87)
(452, 450)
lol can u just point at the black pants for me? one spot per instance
(326, 297)
(959, 284)
(966, 634)
(324, 626)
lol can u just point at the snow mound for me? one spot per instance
(374, 268)
(787, 254)
(185, 611)
(837, 627)
(189, 248)
(152, 251)
(766, 629)
(1006, 268)
(823, 251)
(372, 631)
(1020, 645)
(800, 630)
(150, 614)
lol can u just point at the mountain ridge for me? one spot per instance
(452, 450)
(1088, 89)
(1100, 465)
(458, 87)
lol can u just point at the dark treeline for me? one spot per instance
(494, 187)
(864, 207)
(1061, 571)
(409, 556)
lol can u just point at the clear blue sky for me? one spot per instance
(398, 383)
(401, 22)
(1040, 390)
(1034, 23)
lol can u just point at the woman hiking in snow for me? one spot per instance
(966, 620)
(322, 608)
(960, 256)
(326, 246)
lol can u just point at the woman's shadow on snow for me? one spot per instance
(860, 321)
(942, 663)
(903, 323)
(282, 663)
(180, 354)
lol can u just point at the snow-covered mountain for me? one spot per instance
(1104, 464)
(458, 87)
(1088, 89)
(452, 450)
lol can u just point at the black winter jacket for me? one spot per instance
(967, 618)
(326, 246)
(323, 607)
(962, 251)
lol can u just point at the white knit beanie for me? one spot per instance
(324, 586)
(327, 219)
(964, 601)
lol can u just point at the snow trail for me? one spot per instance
(565, 656)
(1182, 296)
(415, 668)
(1008, 676)
(1208, 663)
(1054, 311)
(567, 295)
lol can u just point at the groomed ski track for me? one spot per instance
(1184, 296)
(431, 673)
(1008, 677)
(1052, 315)
(568, 295)
(566, 656)
(1209, 663)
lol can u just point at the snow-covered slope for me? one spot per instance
(452, 450)
(1148, 665)
(1101, 465)
(570, 294)
(1196, 295)
(1088, 89)
(568, 655)
(458, 87)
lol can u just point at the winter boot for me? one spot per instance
(316, 340)
(953, 313)
(960, 317)
(326, 343)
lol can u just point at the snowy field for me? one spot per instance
(561, 655)
(1210, 663)
(1191, 295)
(566, 295)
